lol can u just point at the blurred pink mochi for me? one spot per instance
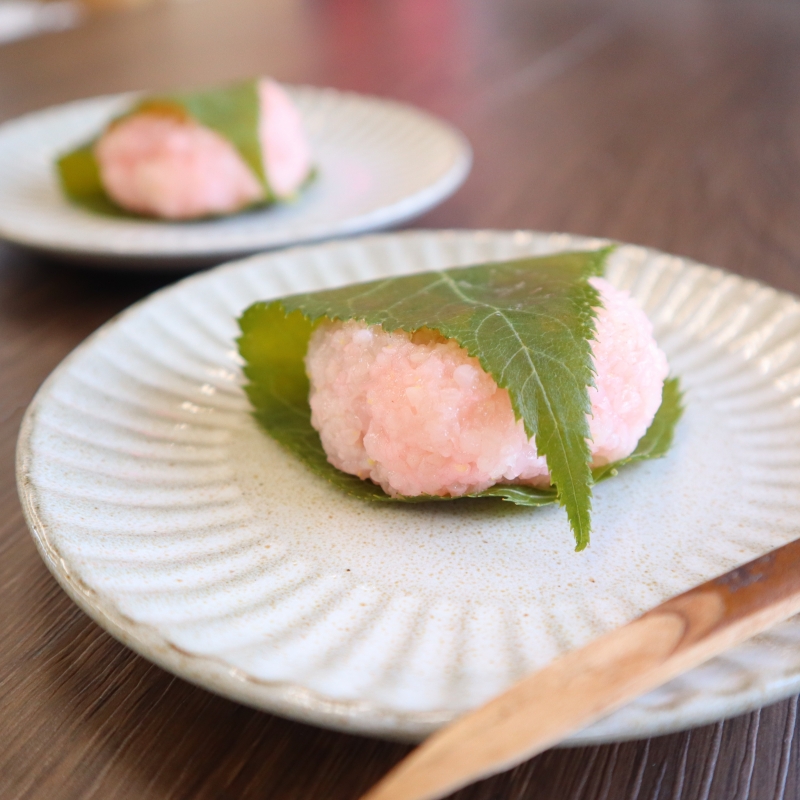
(167, 166)
(417, 415)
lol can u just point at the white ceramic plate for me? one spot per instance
(192, 537)
(380, 163)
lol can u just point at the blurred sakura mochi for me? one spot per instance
(162, 161)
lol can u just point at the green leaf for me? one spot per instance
(528, 321)
(519, 495)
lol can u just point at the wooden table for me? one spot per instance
(670, 124)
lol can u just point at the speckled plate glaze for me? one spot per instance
(380, 163)
(191, 536)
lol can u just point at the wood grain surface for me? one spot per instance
(670, 123)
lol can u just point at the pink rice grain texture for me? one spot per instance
(417, 415)
(169, 167)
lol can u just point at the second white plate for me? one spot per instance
(380, 163)
(191, 536)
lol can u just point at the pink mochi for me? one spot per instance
(165, 166)
(417, 415)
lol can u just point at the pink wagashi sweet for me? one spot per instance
(170, 166)
(417, 415)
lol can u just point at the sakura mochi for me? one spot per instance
(416, 414)
(528, 381)
(202, 154)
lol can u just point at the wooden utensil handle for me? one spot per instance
(586, 684)
(760, 586)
